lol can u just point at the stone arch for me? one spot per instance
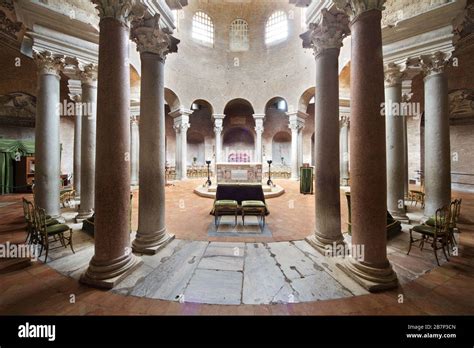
(305, 99)
(281, 148)
(172, 99)
(278, 103)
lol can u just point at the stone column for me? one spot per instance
(134, 150)
(325, 38)
(88, 141)
(300, 146)
(437, 141)
(344, 150)
(370, 266)
(181, 126)
(218, 128)
(154, 44)
(394, 124)
(296, 124)
(259, 118)
(113, 258)
(77, 145)
(47, 148)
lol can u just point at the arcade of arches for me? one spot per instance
(351, 121)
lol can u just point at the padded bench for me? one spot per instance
(239, 199)
(257, 208)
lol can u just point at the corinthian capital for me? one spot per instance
(354, 8)
(328, 33)
(48, 63)
(122, 10)
(435, 63)
(89, 74)
(149, 37)
(393, 75)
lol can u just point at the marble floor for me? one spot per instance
(213, 277)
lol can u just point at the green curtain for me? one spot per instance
(6, 173)
(9, 150)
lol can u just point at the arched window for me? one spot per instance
(276, 28)
(239, 36)
(203, 29)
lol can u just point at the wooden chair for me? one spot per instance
(455, 210)
(55, 232)
(437, 235)
(418, 196)
(28, 211)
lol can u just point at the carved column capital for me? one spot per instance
(393, 75)
(328, 33)
(88, 75)
(124, 11)
(435, 63)
(151, 38)
(48, 63)
(354, 8)
(344, 121)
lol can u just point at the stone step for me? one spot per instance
(13, 264)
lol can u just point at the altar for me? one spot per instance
(236, 173)
(239, 174)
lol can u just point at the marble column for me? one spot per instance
(134, 150)
(154, 44)
(344, 149)
(77, 145)
(296, 125)
(369, 266)
(88, 141)
(394, 125)
(325, 38)
(47, 148)
(259, 118)
(181, 126)
(113, 258)
(218, 128)
(300, 146)
(437, 140)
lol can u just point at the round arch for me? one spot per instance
(281, 148)
(172, 99)
(277, 103)
(202, 105)
(306, 98)
(239, 103)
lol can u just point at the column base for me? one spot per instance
(372, 279)
(108, 275)
(147, 244)
(83, 215)
(324, 246)
(402, 217)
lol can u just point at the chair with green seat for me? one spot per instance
(455, 210)
(225, 207)
(28, 210)
(253, 207)
(46, 232)
(438, 234)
